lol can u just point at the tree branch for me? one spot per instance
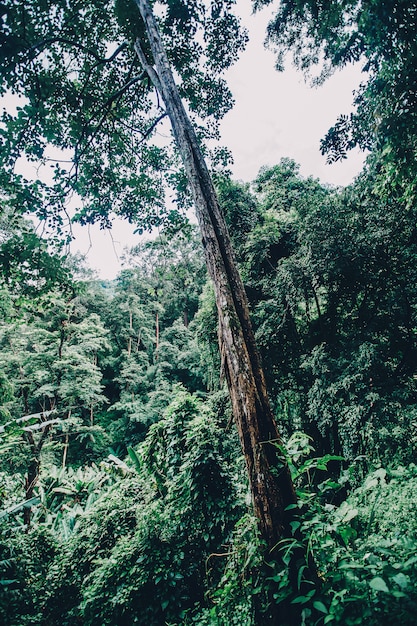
(146, 134)
(100, 60)
(149, 69)
(43, 437)
(106, 106)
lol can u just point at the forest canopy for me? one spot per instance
(126, 494)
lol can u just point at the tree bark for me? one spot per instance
(270, 481)
(269, 476)
(31, 478)
(156, 335)
(33, 470)
(129, 341)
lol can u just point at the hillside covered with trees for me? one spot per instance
(226, 433)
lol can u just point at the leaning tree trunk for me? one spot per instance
(269, 477)
(33, 469)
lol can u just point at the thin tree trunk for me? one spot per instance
(33, 469)
(156, 335)
(66, 445)
(31, 478)
(129, 343)
(64, 455)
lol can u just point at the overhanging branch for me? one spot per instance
(41, 45)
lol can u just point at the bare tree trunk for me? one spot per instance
(33, 470)
(31, 477)
(64, 455)
(129, 343)
(272, 491)
(269, 477)
(156, 335)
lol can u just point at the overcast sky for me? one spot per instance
(276, 115)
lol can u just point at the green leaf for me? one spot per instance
(346, 533)
(401, 579)
(323, 461)
(350, 514)
(64, 490)
(304, 599)
(134, 458)
(300, 600)
(295, 526)
(300, 575)
(379, 584)
(5, 583)
(319, 606)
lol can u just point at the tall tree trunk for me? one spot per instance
(31, 477)
(185, 316)
(33, 469)
(65, 452)
(272, 491)
(269, 477)
(129, 342)
(156, 335)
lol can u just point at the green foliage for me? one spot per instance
(330, 277)
(380, 35)
(156, 537)
(364, 549)
(239, 207)
(65, 494)
(29, 269)
(331, 280)
(206, 330)
(31, 266)
(240, 589)
(141, 550)
(367, 551)
(54, 390)
(24, 560)
(84, 113)
(153, 344)
(129, 19)
(171, 271)
(111, 518)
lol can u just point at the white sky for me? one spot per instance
(276, 115)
